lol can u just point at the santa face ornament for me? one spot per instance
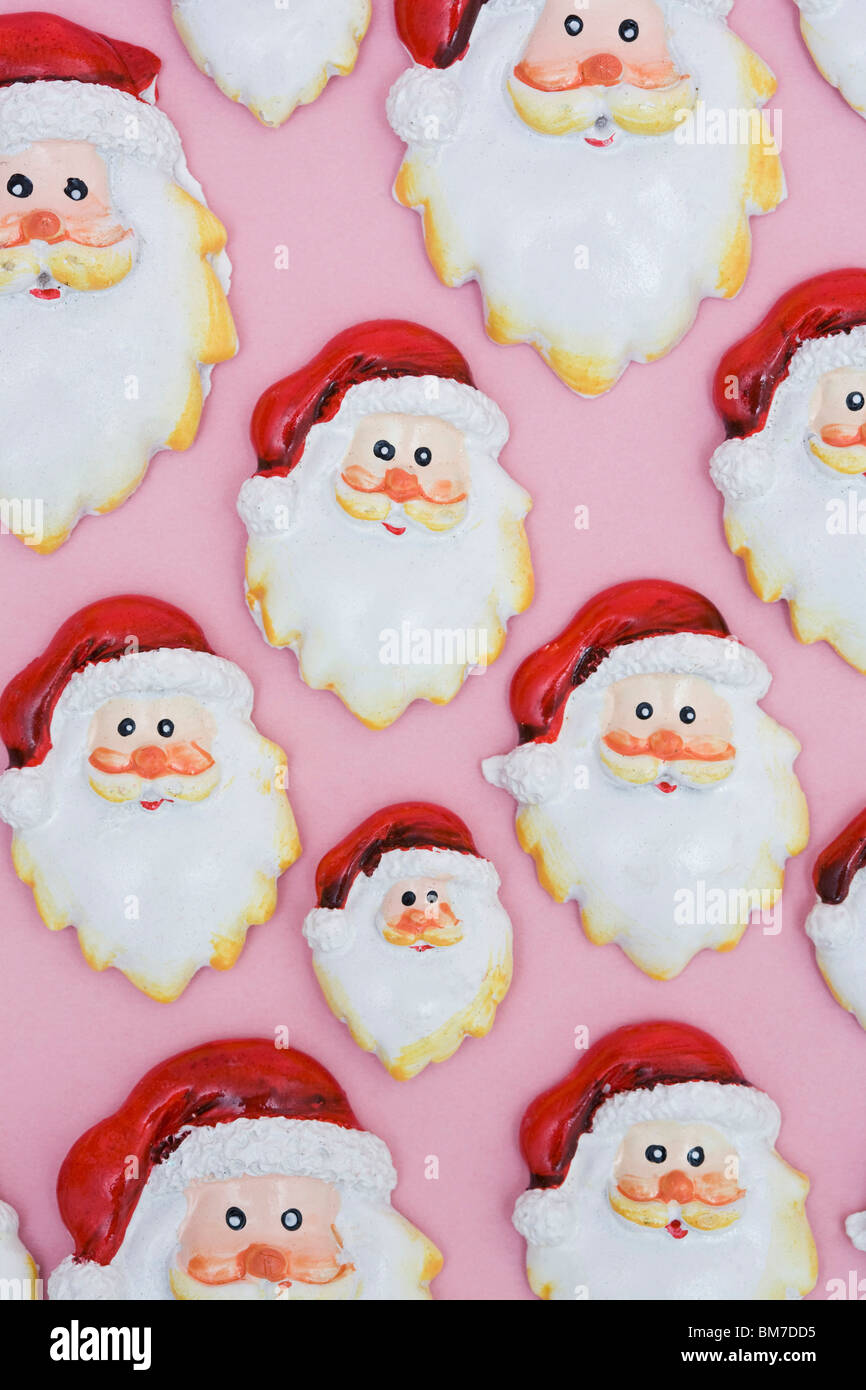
(793, 398)
(654, 1175)
(837, 922)
(835, 34)
(386, 542)
(147, 810)
(113, 276)
(19, 1277)
(652, 788)
(253, 1181)
(272, 57)
(411, 945)
(561, 154)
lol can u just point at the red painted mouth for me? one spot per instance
(395, 530)
(666, 786)
(46, 294)
(422, 946)
(600, 144)
(154, 805)
(677, 1230)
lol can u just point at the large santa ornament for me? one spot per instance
(386, 542)
(19, 1277)
(272, 57)
(236, 1170)
(837, 922)
(411, 945)
(592, 165)
(654, 1175)
(793, 398)
(652, 788)
(146, 808)
(113, 277)
(835, 34)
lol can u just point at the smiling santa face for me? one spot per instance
(386, 480)
(504, 115)
(112, 277)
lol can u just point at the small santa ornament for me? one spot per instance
(592, 165)
(792, 396)
(386, 542)
(272, 57)
(837, 922)
(147, 810)
(855, 1225)
(835, 34)
(653, 790)
(113, 276)
(236, 1170)
(19, 1276)
(411, 945)
(654, 1175)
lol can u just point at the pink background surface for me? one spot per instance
(74, 1042)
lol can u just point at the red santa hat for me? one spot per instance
(413, 839)
(61, 81)
(650, 1071)
(837, 865)
(648, 626)
(223, 1110)
(123, 645)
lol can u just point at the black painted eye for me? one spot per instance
(855, 400)
(165, 728)
(656, 1153)
(292, 1219)
(644, 710)
(423, 457)
(629, 30)
(432, 896)
(19, 186)
(126, 727)
(687, 715)
(573, 25)
(695, 1156)
(236, 1219)
(384, 450)
(76, 189)
(408, 898)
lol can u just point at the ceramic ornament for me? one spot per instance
(837, 922)
(272, 55)
(654, 1175)
(652, 789)
(18, 1272)
(236, 1170)
(793, 399)
(147, 810)
(113, 276)
(835, 34)
(410, 942)
(386, 542)
(592, 165)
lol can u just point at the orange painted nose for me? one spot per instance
(664, 743)
(150, 762)
(400, 485)
(601, 70)
(676, 1187)
(264, 1262)
(41, 226)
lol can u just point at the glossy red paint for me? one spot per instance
(40, 47)
(437, 32)
(624, 613)
(213, 1084)
(759, 363)
(840, 861)
(406, 825)
(380, 349)
(46, 294)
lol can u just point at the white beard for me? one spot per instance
(384, 620)
(272, 57)
(416, 1007)
(663, 875)
(609, 1257)
(159, 894)
(16, 1265)
(662, 223)
(839, 934)
(837, 42)
(92, 385)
